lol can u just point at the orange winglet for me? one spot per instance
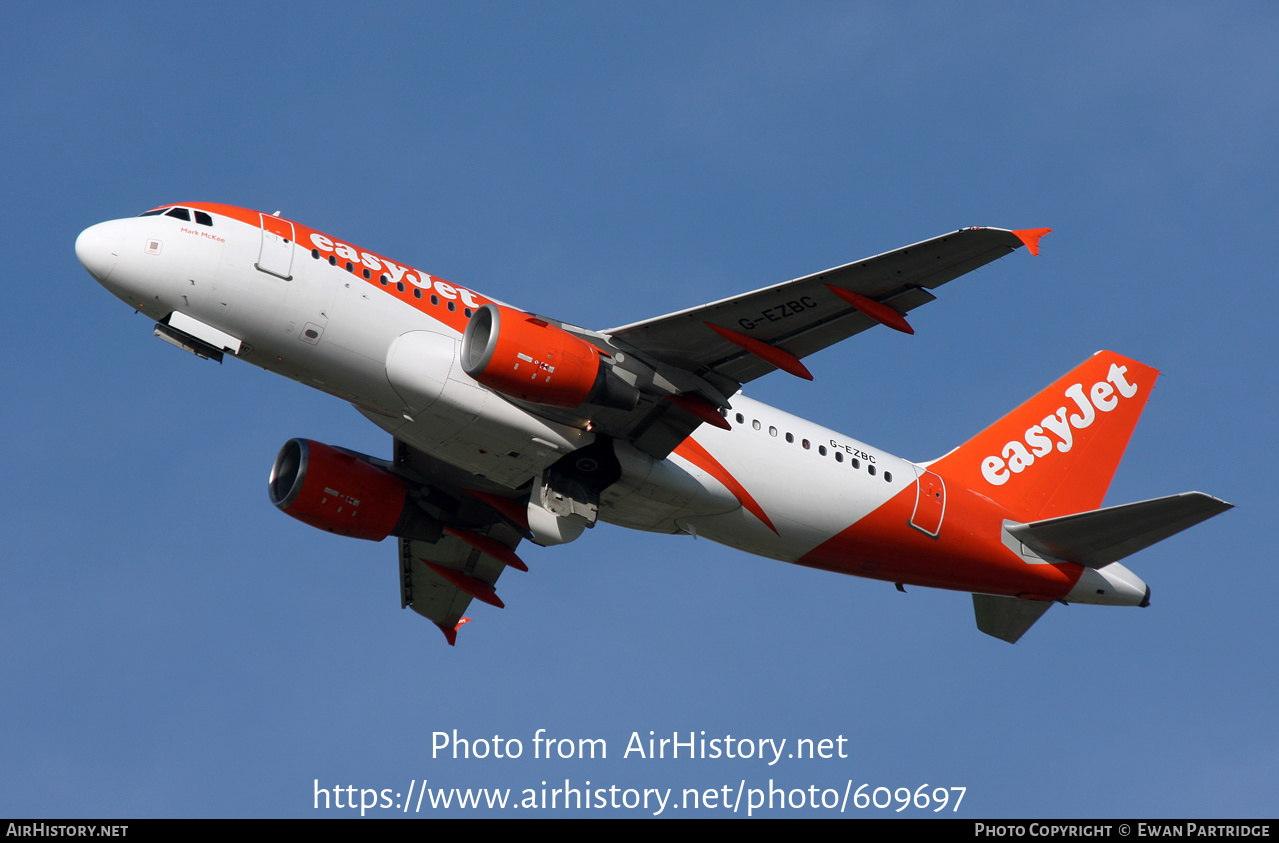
(699, 408)
(490, 546)
(880, 312)
(450, 632)
(1030, 236)
(479, 590)
(771, 354)
(509, 508)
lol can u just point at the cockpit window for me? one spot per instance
(181, 213)
(203, 219)
(153, 213)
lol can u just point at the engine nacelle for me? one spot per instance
(341, 493)
(528, 358)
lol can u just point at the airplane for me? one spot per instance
(508, 425)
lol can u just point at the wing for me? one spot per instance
(697, 358)
(804, 316)
(710, 351)
(439, 579)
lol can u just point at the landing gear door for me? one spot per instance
(930, 502)
(276, 256)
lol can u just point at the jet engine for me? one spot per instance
(525, 357)
(343, 493)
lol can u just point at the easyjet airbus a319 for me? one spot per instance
(508, 425)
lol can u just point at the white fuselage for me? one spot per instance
(386, 338)
(353, 338)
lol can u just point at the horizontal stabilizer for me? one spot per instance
(1102, 536)
(1007, 618)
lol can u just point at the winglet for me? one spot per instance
(490, 546)
(1030, 236)
(450, 632)
(880, 312)
(771, 354)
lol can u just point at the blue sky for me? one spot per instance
(173, 646)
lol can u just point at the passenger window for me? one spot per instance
(839, 456)
(741, 419)
(821, 449)
(203, 219)
(790, 437)
(888, 476)
(871, 469)
(179, 213)
(772, 431)
(755, 424)
(807, 445)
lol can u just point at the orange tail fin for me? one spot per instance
(1056, 454)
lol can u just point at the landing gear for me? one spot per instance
(565, 499)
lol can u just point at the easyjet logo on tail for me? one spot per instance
(1056, 431)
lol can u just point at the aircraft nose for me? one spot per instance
(97, 251)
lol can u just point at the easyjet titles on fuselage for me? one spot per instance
(398, 274)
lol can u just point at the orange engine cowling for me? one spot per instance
(341, 493)
(528, 358)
